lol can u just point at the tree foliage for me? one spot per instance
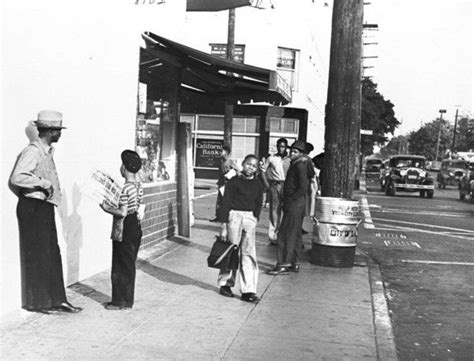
(396, 145)
(464, 135)
(377, 115)
(424, 141)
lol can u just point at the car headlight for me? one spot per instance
(403, 172)
(451, 174)
(422, 173)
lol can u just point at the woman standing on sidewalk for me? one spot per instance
(124, 251)
(240, 211)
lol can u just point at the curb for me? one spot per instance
(384, 338)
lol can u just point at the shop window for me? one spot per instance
(288, 67)
(245, 125)
(243, 145)
(155, 142)
(284, 125)
(210, 123)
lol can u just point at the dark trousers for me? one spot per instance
(42, 283)
(289, 236)
(276, 196)
(124, 256)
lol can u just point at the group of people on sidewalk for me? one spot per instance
(36, 183)
(290, 182)
(288, 179)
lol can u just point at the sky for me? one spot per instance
(425, 57)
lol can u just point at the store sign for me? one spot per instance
(220, 51)
(208, 153)
(280, 85)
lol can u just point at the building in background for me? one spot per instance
(86, 59)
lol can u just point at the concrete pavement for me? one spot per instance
(322, 313)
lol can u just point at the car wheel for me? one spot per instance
(422, 194)
(429, 194)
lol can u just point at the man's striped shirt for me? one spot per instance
(132, 195)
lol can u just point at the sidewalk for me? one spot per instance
(322, 313)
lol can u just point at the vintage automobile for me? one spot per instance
(451, 172)
(466, 183)
(372, 167)
(407, 173)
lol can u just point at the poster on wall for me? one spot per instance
(208, 152)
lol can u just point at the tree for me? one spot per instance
(396, 145)
(424, 141)
(465, 135)
(377, 115)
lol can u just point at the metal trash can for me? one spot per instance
(335, 232)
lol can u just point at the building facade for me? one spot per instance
(84, 59)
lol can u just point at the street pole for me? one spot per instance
(228, 106)
(453, 150)
(441, 111)
(343, 107)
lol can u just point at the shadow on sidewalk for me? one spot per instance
(89, 292)
(164, 275)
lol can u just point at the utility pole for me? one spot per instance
(228, 106)
(453, 150)
(343, 108)
(441, 111)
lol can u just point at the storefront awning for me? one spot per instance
(214, 77)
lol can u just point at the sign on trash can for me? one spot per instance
(335, 232)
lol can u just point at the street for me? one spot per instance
(425, 248)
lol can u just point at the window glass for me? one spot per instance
(287, 66)
(155, 142)
(210, 123)
(243, 145)
(245, 125)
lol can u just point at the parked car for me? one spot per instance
(451, 172)
(433, 165)
(372, 167)
(408, 173)
(466, 183)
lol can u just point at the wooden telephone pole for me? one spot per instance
(228, 106)
(343, 108)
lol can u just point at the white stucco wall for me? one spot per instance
(80, 58)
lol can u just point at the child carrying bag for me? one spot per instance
(224, 255)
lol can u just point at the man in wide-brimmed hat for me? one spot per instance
(35, 180)
(295, 191)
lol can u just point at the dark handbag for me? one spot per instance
(224, 255)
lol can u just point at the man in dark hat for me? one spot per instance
(35, 181)
(295, 190)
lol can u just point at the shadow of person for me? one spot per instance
(72, 232)
(32, 134)
(165, 275)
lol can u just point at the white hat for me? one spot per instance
(49, 119)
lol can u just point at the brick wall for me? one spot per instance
(161, 213)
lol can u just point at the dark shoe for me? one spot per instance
(294, 268)
(278, 270)
(226, 291)
(213, 220)
(249, 297)
(111, 307)
(303, 231)
(67, 307)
